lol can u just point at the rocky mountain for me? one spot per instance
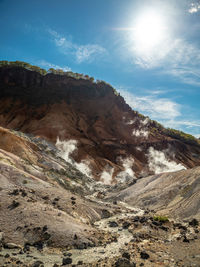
(91, 124)
(85, 180)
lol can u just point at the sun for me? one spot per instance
(148, 31)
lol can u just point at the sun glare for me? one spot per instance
(149, 31)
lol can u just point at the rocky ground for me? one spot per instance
(131, 238)
(52, 215)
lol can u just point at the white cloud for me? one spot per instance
(178, 123)
(176, 57)
(158, 162)
(47, 64)
(87, 52)
(194, 8)
(159, 108)
(81, 53)
(186, 75)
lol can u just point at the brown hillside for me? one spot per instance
(107, 130)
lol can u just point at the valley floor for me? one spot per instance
(138, 239)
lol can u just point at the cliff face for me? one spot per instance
(100, 130)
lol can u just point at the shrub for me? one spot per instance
(188, 138)
(161, 218)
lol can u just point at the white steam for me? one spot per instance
(140, 133)
(107, 175)
(158, 162)
(66, 148)
(127, 164)
(145, 121)
(83, 167)
(128, 173)
(130, 122)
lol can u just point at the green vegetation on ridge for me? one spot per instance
(43, 71)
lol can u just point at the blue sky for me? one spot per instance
(148, 50)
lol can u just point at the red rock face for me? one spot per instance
(107, 130)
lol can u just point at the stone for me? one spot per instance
(126, 255)
(45, 227)
(185, 239)
(37, 264)
(14, 205)
(39, 245)
(126, 225)
(143, 219)
(46, 236)
(12, 246)
(144, 255)
(66, 261)
(15, 192)
(164, 228)
(105, 214)
(194, 222)
(136, 219)
(123, 262)
(113, 224)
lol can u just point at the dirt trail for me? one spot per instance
(109, 250)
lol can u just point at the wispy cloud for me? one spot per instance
(151, 105)
(181, 122)
(82, 53)
(47, 64)
(166, 111)
(187, 75)
(194, 8)
(176, 57)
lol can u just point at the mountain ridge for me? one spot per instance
(106, 130)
